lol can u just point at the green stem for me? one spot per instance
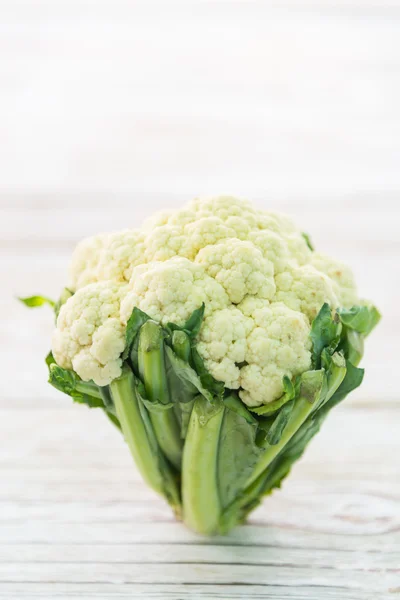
(201, 503)
(152, 372)
(301, 410)
(126, 401)
(91, 389)
(181, 345)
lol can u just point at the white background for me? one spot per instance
(112, 109)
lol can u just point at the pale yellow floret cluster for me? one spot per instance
(261, 285)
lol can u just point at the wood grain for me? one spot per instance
(111, 110)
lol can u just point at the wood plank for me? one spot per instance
(209, 574)
(153, 553)
(156, 591)
(60, 487)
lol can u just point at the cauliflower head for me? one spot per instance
(261, 285)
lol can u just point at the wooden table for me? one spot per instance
(111, 110)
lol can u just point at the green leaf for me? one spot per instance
(360, 318)
(351, 381)
(105, 395)
(215, 387)
(308, 241)
(275, 461)
(69, 383)
(310, 391)
(185, 411)
(299, 441)
(194, 322)
(335, 367)
(181, 345)
(353, 346)
(189, 383)
(156, 407)
(114, 420)
(238, 453)
(135, 322)
(192, 325)
(234, 403)
(278, 426)
(49, 360)
(312, 386)
(325, 332)
(273, 407)
(34, 301)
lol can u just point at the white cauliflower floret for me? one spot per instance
(172, 290)
(123, 251)
(223, 344)
(163, 243)
(277, 222)
(90, 337)
(204, 232)
(278, 345)
(261, 284)
(238, 215)
(341, 276)
(240, 268)
(305, 289)
(157, 220)
(298, 248)
(225, 208)
(85, 260)
(273, 247)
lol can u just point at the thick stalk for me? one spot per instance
(200, 498)
(126, 402)
(152, 372)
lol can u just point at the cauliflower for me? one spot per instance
(260, 283)
(216, 340)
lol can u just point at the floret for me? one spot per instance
(89, 337)
(248, 265)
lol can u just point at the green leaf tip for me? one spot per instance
(272, 407)
(308, 241)
(194, 322)
(135, 322)
(35, 301)
(233, 402)
(361, 319)
(192, 325)
(66, 381)
(278, 426)
(325, 332)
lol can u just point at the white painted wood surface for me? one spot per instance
(110, 110)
